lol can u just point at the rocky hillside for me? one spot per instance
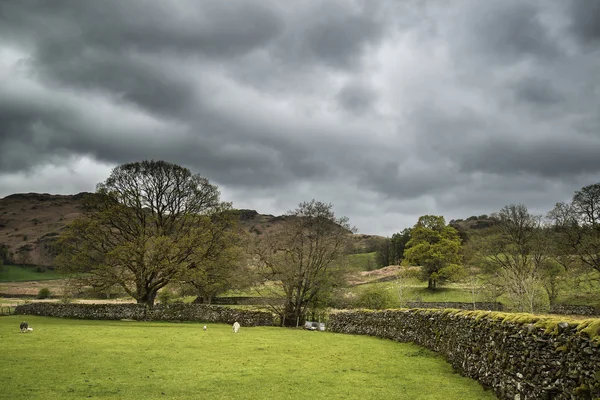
(30, 222)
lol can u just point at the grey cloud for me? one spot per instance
(356, 98)
(585, 23)
(537, 91)
(394, 108)
(546, 157)
(509, 30)
(209, 27)
(331, 33)
(127, 77)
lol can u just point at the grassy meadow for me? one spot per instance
(73, 359)
(17, 273)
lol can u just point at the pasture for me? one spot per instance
(73, 359)
(17, 273)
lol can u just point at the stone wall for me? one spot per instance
(242, 300)
(174, 312)
(519, 356)
(565, 309)
(488, 306)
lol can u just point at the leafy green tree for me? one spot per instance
(375, 298)
(142, 228)
(300, 259)
(435, 247)
(391, 251)
(219, 265)
(383, 254)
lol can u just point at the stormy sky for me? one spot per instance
(388, 109)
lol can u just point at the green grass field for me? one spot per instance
(73, 359)
(16, 273)
(417, 291)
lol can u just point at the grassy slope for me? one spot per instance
(417, 291)
(361, 262)
(137, 360)
(15, 273)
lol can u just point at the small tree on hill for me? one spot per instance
(435, 247)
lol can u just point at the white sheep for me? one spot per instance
(236, 327)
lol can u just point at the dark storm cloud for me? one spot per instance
(585, 21)
(407, 107)
(211, 27)
(550, 158)
(332, 33)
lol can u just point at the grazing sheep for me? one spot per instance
(204, 327)
(24, 327)
(236, 327)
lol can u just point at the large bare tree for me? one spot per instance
(299, 259)
(143, 227)
(516, 252)
(577, 228)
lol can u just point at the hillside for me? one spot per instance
(30, 222)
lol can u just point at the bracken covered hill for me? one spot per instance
(31, 222)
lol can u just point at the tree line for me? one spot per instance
(154, 224)
(527, 258)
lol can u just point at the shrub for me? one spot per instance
(66, 299)
(376, 298)
(165, 296)
(44, 293)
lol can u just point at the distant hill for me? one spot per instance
(30, 222)
(472, 224)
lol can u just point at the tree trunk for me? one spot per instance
(432, 284)
(147, 298)
(291, 315)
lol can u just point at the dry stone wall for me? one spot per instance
(174, 312)
(518, 356)
(480, 305)
(566, 309)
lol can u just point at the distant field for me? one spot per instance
(16, 273)
(73, 359)
(417, 291)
